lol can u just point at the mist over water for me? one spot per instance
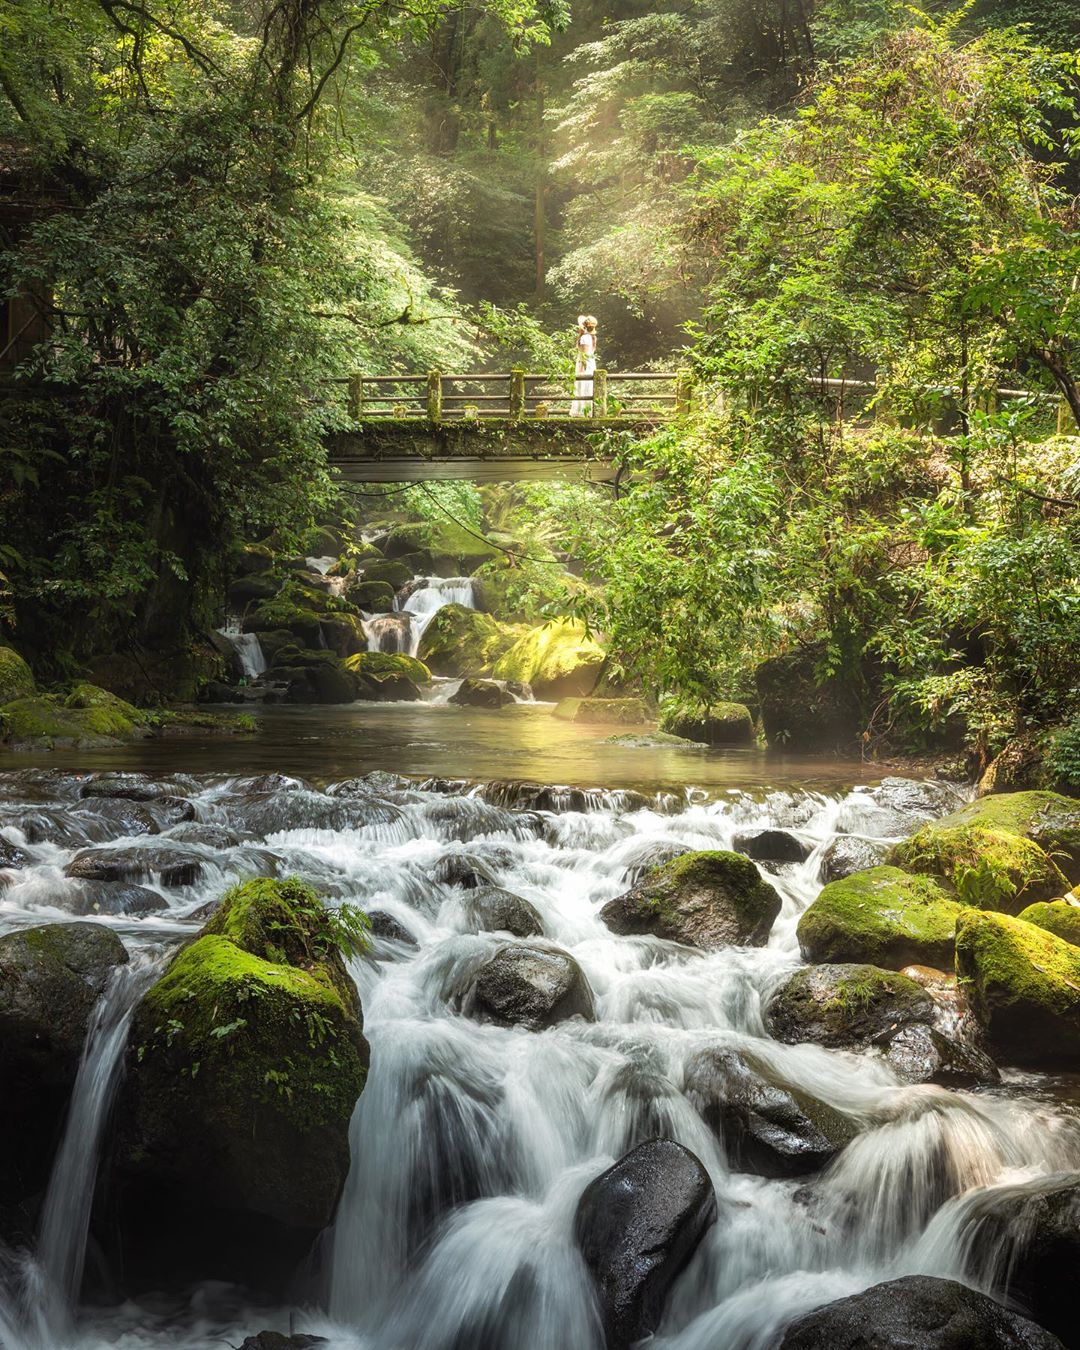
(472, 1143)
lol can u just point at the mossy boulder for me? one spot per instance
(288, 614)
(557, 659)
(312, 676)
(460, 641)
(718, 724)
(611, 712)
(250, 590)
(86, 716)
(441, 542)
(374, 597)
(706, 899)
(474, 693)
(651, 740)
(987, 865)
(845, 1006)
(343, 633)
(320, 542)
(394, 574)
(16, 677)
(380, 664)
(1048, 819)
(804, 709)
(882, 917)
(1024, 985)
(1060, 917)
(245, 1061)
(50, 979)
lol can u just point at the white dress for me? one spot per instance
(582, 405)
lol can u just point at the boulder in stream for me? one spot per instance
(882, 917)
(845, 1006)
(558, 659)
(167, 866)
(917, 1312)
(474, 693)
(1024, 984)
(772, 846)
(847, 854)
(245, 1061)
(1060, 917)
(767, 1127)
(50, 979)
(491, 909)
(278, 1340)
(529, 986)
(637, 1225)
(707, 899)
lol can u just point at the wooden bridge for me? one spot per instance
(497, 426)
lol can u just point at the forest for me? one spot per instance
(539, 674)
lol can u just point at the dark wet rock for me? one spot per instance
(261, 813)
(166, 866)
(50, 979)
(385, 926)
(118, 897)
(53, 827)
(919, 1053)
(845, 1005)
(209, 836)
(461, 869)
(917, 1312)
(133, 787)
(277, 1340)
(386, 689)
(376, 782)
(773, 846)
(204, 911)
(709, 899)
(1026, 1239)
(917, 798)
(518, 796)
(637, 1225)
(170, 811)
(120, 816)
(767, 1127)
(244, 1064)
(528, 986)
(481, 694)
(490, 909)
(653, 853)
(11, 855)
(846, 855)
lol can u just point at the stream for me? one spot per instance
(472, 1143)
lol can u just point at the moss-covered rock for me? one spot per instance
(380, 664)
(652, 740)
(1060, 917)
(845, 1005)
(706, 899)
(557, 659)
(252, 589)
(719, 724)
(612, 712)
(394, 574)
(344, 633)
(16, 677)
(1048, 819)
(245, 1062)
(882, 917)
(987, 865)
(374, 597)
(313, 676)
(1024, 984)
(460, 641)
(803, 709)
(320, 542)
(473, 693)
(462, 551)
(86, 716)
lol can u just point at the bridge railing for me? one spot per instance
(514, 395)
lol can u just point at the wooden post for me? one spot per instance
(682, 393)
(599, 394)
(434, 396)
(356, 396)
(517, 392)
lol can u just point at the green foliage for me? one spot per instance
(1063, 761)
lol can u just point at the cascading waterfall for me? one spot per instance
(403, 630)
(472, 1142)
(248, 649)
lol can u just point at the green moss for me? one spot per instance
(652, 740)
(686, 898)
(1024, 984)
(717, 724)
(379, 664)
(1048, 819)
(394, 574)
(558, 659)
(1060, 917)
(441, 540)
(987, 865)
(618, 712)
(460, 641)
(16, 677)
(85, 716)
(376, 597)
(883, 917)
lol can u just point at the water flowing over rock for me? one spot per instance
(50, 979)
(492, 909)
(917, 1311)
(637, 1225)
(773, 846)
(845, 1005)
(704, 900)
(765, 1126)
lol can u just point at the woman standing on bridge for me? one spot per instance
(584, 367)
